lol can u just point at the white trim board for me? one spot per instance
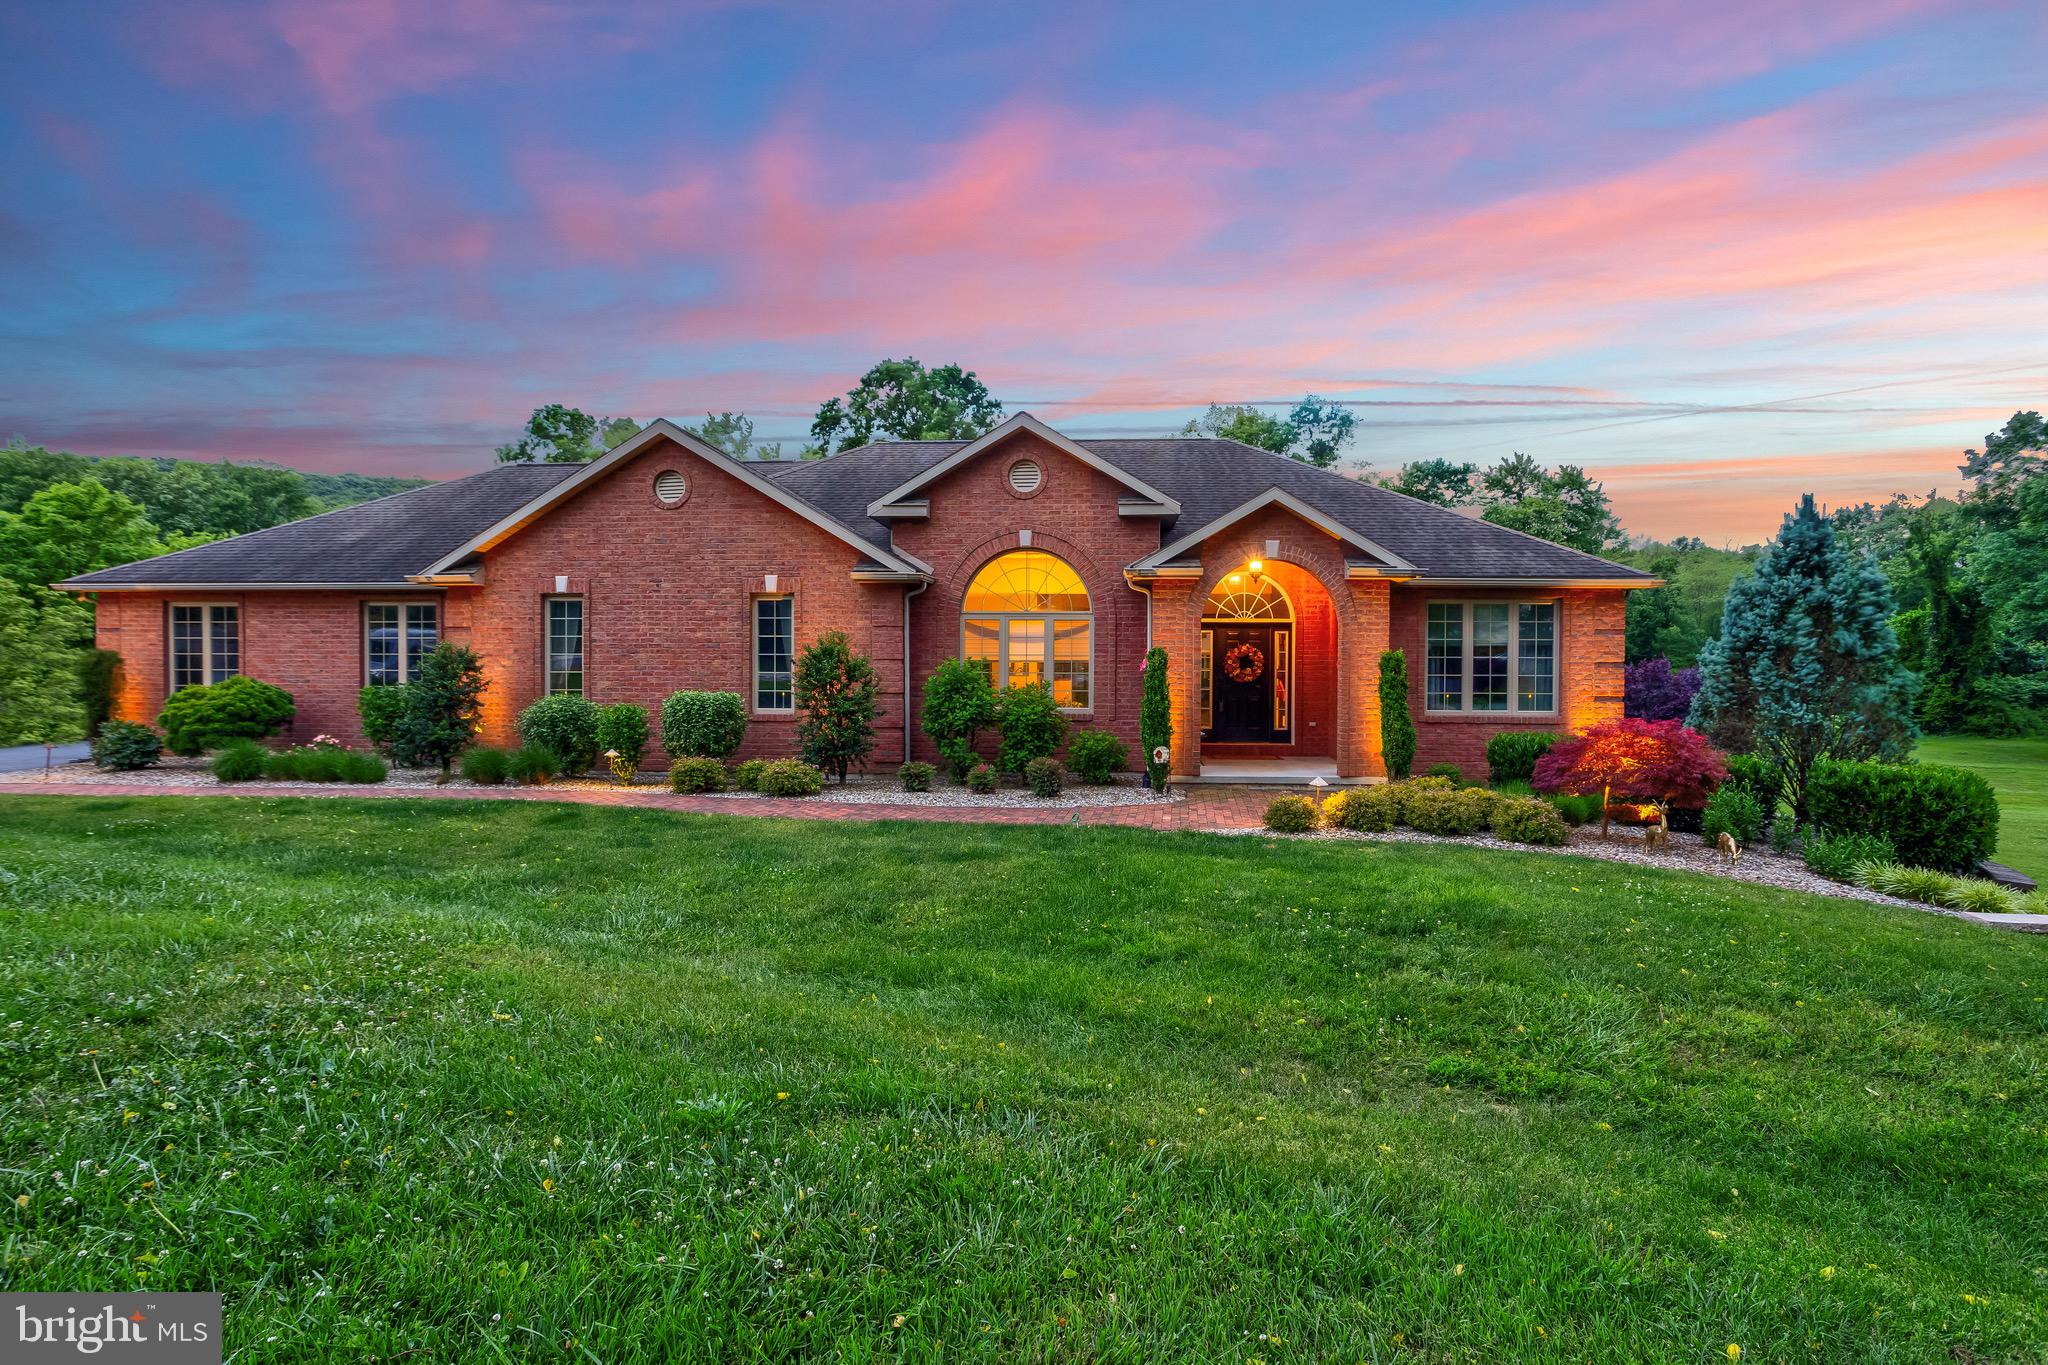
(892, 503)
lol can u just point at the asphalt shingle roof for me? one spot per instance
(385, 540)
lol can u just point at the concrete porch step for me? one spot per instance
(1268, 772)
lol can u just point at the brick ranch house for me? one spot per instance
(666, 564)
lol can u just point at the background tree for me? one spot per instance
(1946, 639)
(1806, 667)
(1446, 483)
(733, 433)
(903, 400)
(557, 434)
(2016, 453)
(838, 697)
(1567, 507)
(73, 528)
(1315, 433)
(39, 682)
(1675, 621)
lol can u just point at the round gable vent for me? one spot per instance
(671, 487)
(1025, 476)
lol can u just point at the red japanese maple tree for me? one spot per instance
(1660, 762)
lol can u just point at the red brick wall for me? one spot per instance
(975, 516)
(668, 599)
(1589, 666)
(308, 643)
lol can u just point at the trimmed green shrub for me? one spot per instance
(1736, 811)
(1365, 810)
(916, 776)
(790, 777)
(565, 724)
(838, 697)
(702, 724)
(1290, 815)
(958, 705)
(98, 670)
(239, 760)
(1397, 727)
(1155, 719)
(533, 764)
(487, 767)
(700, 775)
(1030, 723)
(196, 719)
(443, 707)
(1465, 810)
(362, 769)
(380, 707)
(125, 746)
(1576, 810)
(1448, 770)
(1837, 855)
(1412, 789)
(1096, 755)
(1529, 820)
(1758, 776)
(981, 778)
(1935, 816)
(746, 776)
(622, 730)
(1511, 754)
(1045, 777)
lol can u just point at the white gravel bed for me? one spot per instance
(1686, 853)
(193, 773)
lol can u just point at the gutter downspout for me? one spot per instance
(1133, 585)
(906, 664)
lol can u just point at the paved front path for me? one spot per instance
(1203, 807)
(22, 757)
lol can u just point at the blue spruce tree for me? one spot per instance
(1806, 667)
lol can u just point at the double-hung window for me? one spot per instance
(774, 653)
(1491, 657)
(565, 645)
(206, 644)
(396, 636)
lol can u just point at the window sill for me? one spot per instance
(1489, 717)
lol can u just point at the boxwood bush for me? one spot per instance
(1451, 812)
(1031, 725)
(698, 775)
(239, 760)
(1758, 776)
(486, 767)
(1290, 815)
(622, 729)
(1529, 820)
(1096, 755)
(746, 776)
(703, 724)
(1935, 816)
(1367, 810)
(1511, 755)
(790, 777)
(1045, 777)
(565, 724)
(196, 719)
(916, 776)
(125, 746)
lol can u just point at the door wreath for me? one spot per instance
(1244, 663)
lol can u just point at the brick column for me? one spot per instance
(1364, 630)
(1595, 622)
(1177, 629)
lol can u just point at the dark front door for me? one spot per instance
(1243, 668)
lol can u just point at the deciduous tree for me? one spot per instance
(904, 400)
(1660, 762)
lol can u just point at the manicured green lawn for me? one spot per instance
(479, 1081)
(2017, 770)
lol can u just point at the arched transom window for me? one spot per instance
(1026, 619)
(1247, 597)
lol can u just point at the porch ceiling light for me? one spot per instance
(1258, 566)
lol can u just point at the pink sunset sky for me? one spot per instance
(1720, 254)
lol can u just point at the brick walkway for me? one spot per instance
(1203, 808)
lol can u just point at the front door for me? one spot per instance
(1247, 671)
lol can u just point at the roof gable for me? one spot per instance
(899, 500)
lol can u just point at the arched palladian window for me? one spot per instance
(1244, 597)
(1026, 619)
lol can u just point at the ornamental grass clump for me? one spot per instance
(1837, 855)
(693, 775)
(486, 767)
(533, 764)
(1290, 815)
(239, 760)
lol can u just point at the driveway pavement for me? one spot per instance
(25, 756)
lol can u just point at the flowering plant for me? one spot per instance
(327, 742)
